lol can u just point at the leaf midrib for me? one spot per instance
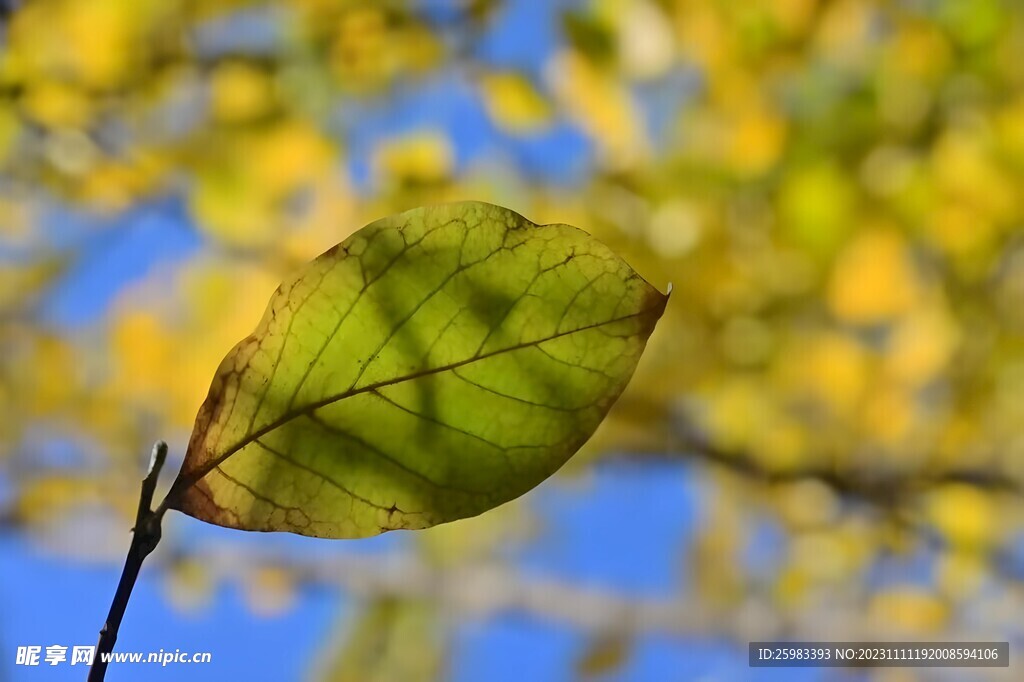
(187, 482)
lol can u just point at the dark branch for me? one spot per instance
(146, 535)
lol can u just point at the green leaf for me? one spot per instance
(432, 366)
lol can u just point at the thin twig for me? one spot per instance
(146, 535)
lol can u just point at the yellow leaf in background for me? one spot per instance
(816, 208)
(153, 369)
(227, 208)
(966, 517)
(111, 186)
(140, 343)
(889, 417)
(390, 640)
(745, 416)
(784, 445)
(54, 104)
(859, 539)
(269, 590)
(424, 157)
(241, 195)
(9, 429)
(965, 169)
(219, 316)
(910, 610)
(843, 34)
(961, 574)
(922, 344)
(17, 220)
(874, 279)
(360, 50)
(714, 554)
(807, 504)
(514, 104)
(646, 45)
(329, 217)
(603, 107)
(10, 127)
(188, 585)
(476, 538)
(757, 140)
(958, 435)
(746, 341)
(98, 39)
(920, 50)
(71, 152)
(829, 368)
(792, 16)
(675, 228)
(903, 102)
(38, 498)
(47, 498)
(21, 283)
(161, 361)
(889, 170)
(240, 91)
(962, 231)
(1010, 127)
(290, 156)
(97, 44)
(53, 366)
(791, 587)
(736, 413)
(703, 35)
(821, 556)
(372, 46)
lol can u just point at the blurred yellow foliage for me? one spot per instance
(54, 376)
(269, 590)
(371, 46)
(908, 611)
(822, 556)
(51, 498)
(55, 104)
(95, 44)
(514, 104)
(425, 157)
(922, 345)
(961, 574)
(645, 43)
(806, 505)
(240, 91)
(966, 517)
(602, 107)
(243, 197)
(156, 362)
(831, 187)
(188, 585)
(875, 279)
(829, 369)
(816, 207)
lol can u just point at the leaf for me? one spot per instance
(432, 366)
